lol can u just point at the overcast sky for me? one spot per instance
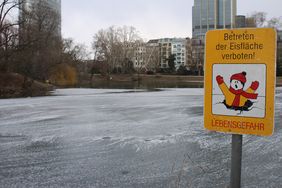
(81, 19)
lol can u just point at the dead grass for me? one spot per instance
(13, 85)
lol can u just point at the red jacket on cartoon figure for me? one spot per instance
(235, 96)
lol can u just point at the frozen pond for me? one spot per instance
(126, 138)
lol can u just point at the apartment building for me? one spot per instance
(139, 61)
(188, 55)
(178, 48)
(165, 52)
(154, 55)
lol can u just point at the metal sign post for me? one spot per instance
(236, 154)
(236, 161)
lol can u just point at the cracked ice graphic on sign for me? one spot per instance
(239, 90)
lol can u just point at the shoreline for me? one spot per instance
(155, 81)
(16, 87)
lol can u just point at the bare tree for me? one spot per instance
(8, 42)
(40, 43)
(259, 19)
(74, 52)
(76, 55)
(8, 32)
(275, 23)
(152, 57)
(115, 46)
(6, 7)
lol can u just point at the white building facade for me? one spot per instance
(175, 46)
(139, 62)
(154, 55)
(178, 48)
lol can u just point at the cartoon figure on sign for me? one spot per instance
(235, 96)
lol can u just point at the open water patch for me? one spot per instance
(93, 92)
(7, 137)
(136, 91)
(195, 110)
(42, 143)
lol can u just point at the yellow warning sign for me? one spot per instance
(240, 69)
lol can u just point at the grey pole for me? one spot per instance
(236, 161)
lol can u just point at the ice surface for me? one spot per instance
(126, 138)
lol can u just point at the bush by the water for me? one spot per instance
(64, 75)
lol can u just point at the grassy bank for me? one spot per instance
(13, 85)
